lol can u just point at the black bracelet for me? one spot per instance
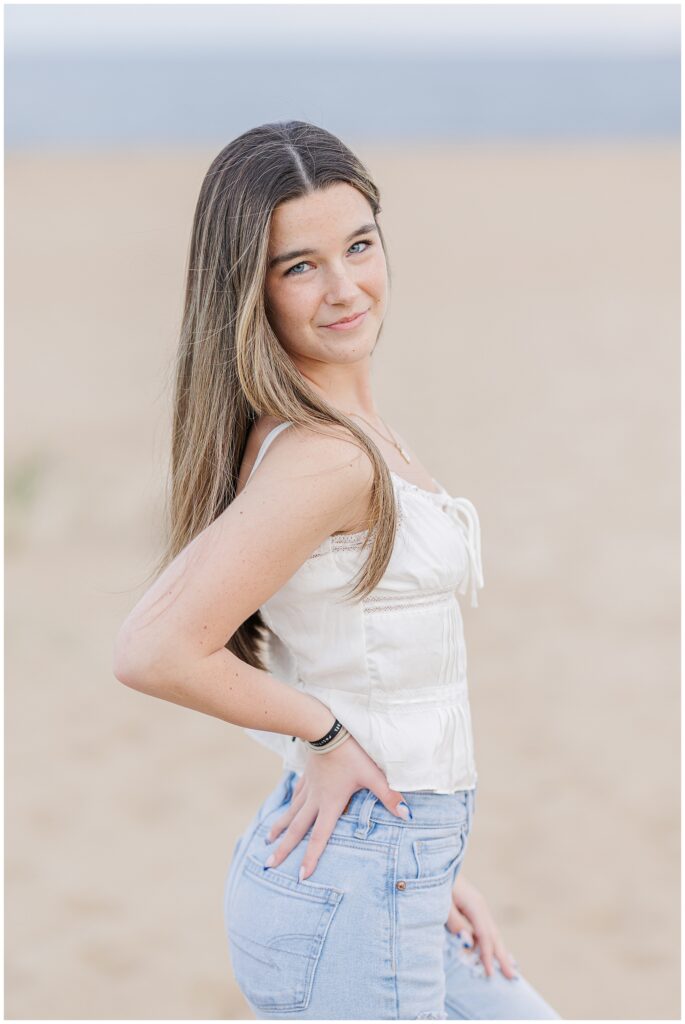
(330, 735)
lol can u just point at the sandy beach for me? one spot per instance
(531, 356)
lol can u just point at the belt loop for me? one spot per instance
(365, 825)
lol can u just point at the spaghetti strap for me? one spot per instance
(265, 444)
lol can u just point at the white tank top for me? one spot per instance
(391, 667)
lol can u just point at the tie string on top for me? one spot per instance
(464, 514)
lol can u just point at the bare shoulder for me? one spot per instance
(325, 461)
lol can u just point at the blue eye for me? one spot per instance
(304, 262)
(292, 269)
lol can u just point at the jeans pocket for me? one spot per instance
(277, 926)
(437, 858)
(427, 871)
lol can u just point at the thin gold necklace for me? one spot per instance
(391, 440)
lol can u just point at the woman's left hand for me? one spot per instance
(470, 913)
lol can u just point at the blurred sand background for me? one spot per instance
(531, 355)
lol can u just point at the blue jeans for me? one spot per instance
(364, 936)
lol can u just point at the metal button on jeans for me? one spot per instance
(401, 885)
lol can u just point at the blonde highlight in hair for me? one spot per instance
(230, 367)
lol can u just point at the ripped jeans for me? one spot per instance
(363, 937)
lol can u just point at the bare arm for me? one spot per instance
(172, 645)
(226, 687)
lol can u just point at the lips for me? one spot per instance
(347, 319)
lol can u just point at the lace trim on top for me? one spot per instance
(412, 599)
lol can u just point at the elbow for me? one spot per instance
(129, 672)
(130, 667)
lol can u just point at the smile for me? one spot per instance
(349, 325)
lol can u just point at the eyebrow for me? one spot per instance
(286, 256)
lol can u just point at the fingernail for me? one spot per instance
(403, 810)
(270, 862)
(302, 873)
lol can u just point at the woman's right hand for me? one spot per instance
(320, 797)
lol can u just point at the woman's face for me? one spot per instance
(343, 273)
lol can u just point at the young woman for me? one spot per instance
(316, 606)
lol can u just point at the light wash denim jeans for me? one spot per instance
(364, 936)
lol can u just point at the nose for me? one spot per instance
(340, 288)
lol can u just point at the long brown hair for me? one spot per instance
(230, 367)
